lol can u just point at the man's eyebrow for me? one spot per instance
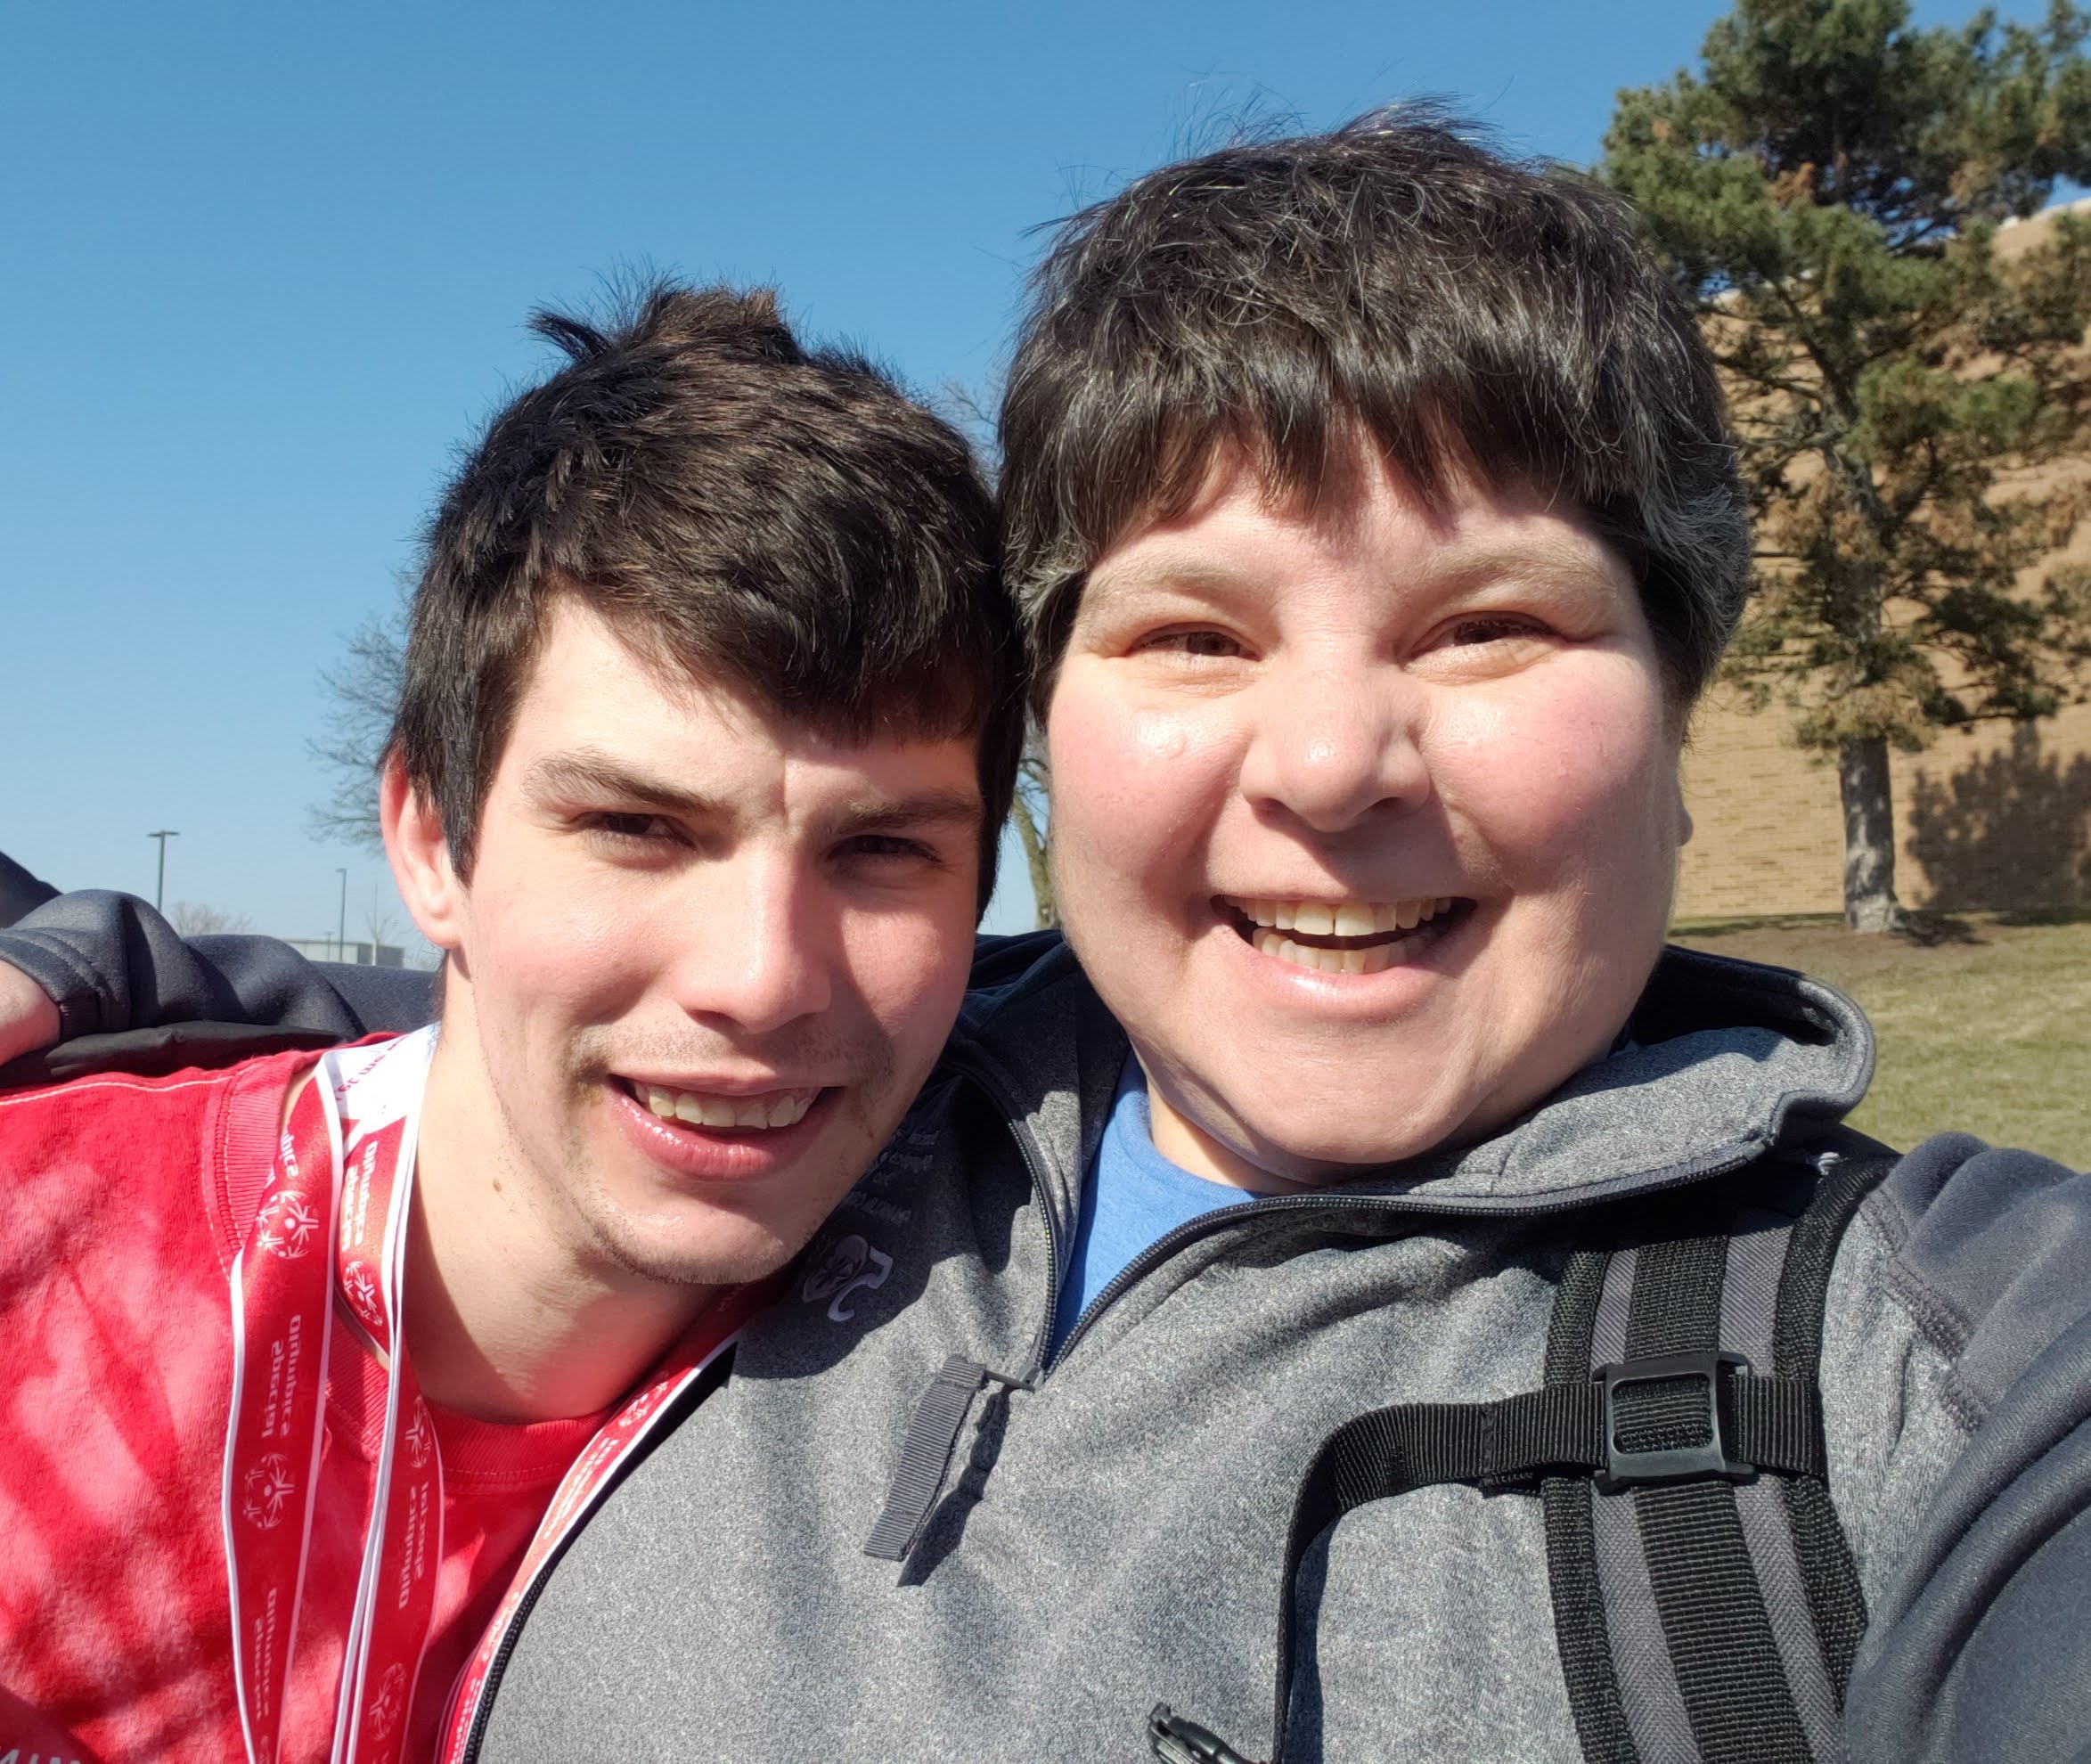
(586, 771)
(940, 807)
(589, 773)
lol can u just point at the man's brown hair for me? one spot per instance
(734, 504)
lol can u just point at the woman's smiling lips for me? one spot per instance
(715, 1135)
(1351, 937)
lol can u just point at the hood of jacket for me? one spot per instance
(1721, 1062)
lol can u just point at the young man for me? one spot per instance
(1369, 505)
(706, 735)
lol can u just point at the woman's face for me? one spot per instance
(1365, 819)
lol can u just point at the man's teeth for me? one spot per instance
(783, 1108)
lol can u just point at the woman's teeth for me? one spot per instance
(1341, 919)
(1348, 936)
(780, 1108)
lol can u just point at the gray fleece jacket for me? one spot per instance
(1110, 1533)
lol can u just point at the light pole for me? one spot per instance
(341, 925)
(159, 887)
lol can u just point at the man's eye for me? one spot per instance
(887, 845)
(627, 828)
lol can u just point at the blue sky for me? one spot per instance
(272, 265)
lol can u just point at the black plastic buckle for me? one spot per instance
(1625, 1469)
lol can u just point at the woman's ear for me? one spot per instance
(419, 856)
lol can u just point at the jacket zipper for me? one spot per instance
(1182, 1236)
(483, 1714)
(1137, 1269)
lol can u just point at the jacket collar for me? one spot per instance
(1725, 1060)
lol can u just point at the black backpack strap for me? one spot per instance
(1704, 1620)
(1703, 1611)
(1665, 1593)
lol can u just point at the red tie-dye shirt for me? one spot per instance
(123, 1202)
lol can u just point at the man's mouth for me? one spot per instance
(1343, 936)
(763, 1112)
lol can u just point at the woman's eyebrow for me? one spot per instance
(1188, 577)
(1532, 561)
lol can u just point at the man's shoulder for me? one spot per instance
(139, 1129)
(97, 1100)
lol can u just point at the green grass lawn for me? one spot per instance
(1988, 1031)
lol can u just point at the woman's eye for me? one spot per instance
(1492, 628)
(1202, 643)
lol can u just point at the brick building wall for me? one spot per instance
(1997, 818)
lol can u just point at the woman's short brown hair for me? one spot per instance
(1466, 312)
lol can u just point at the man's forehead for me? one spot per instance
(590, 667)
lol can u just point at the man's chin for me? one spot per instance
(706, 1255)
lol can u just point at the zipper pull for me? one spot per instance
(925, 1455)
(1176, 1740)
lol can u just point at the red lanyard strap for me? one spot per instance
(332, 1218)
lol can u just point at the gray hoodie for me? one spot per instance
(1110, 1533)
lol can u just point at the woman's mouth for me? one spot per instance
(1342, 936)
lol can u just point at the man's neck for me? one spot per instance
(507, 1318)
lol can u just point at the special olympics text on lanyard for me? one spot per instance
(344, 1175)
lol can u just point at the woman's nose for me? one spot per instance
(1330, 746)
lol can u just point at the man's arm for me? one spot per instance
(20, 892)
(106, 977)
(108, 967)
(29, 1020)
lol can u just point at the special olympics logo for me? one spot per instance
(388, 1702)
(267, 1487)
(289, 1224)
(360, 1285)
(420, 1438)
(849, 1264)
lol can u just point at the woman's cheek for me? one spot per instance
(1538, 766)
(1136, 788)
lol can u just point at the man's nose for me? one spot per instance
(758, 956)
(1331, 744)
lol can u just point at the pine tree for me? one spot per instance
(1028, 809)
(1831, 191)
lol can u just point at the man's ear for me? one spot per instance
(420, 857)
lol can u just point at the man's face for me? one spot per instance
(1364, 822)
(706, 958)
